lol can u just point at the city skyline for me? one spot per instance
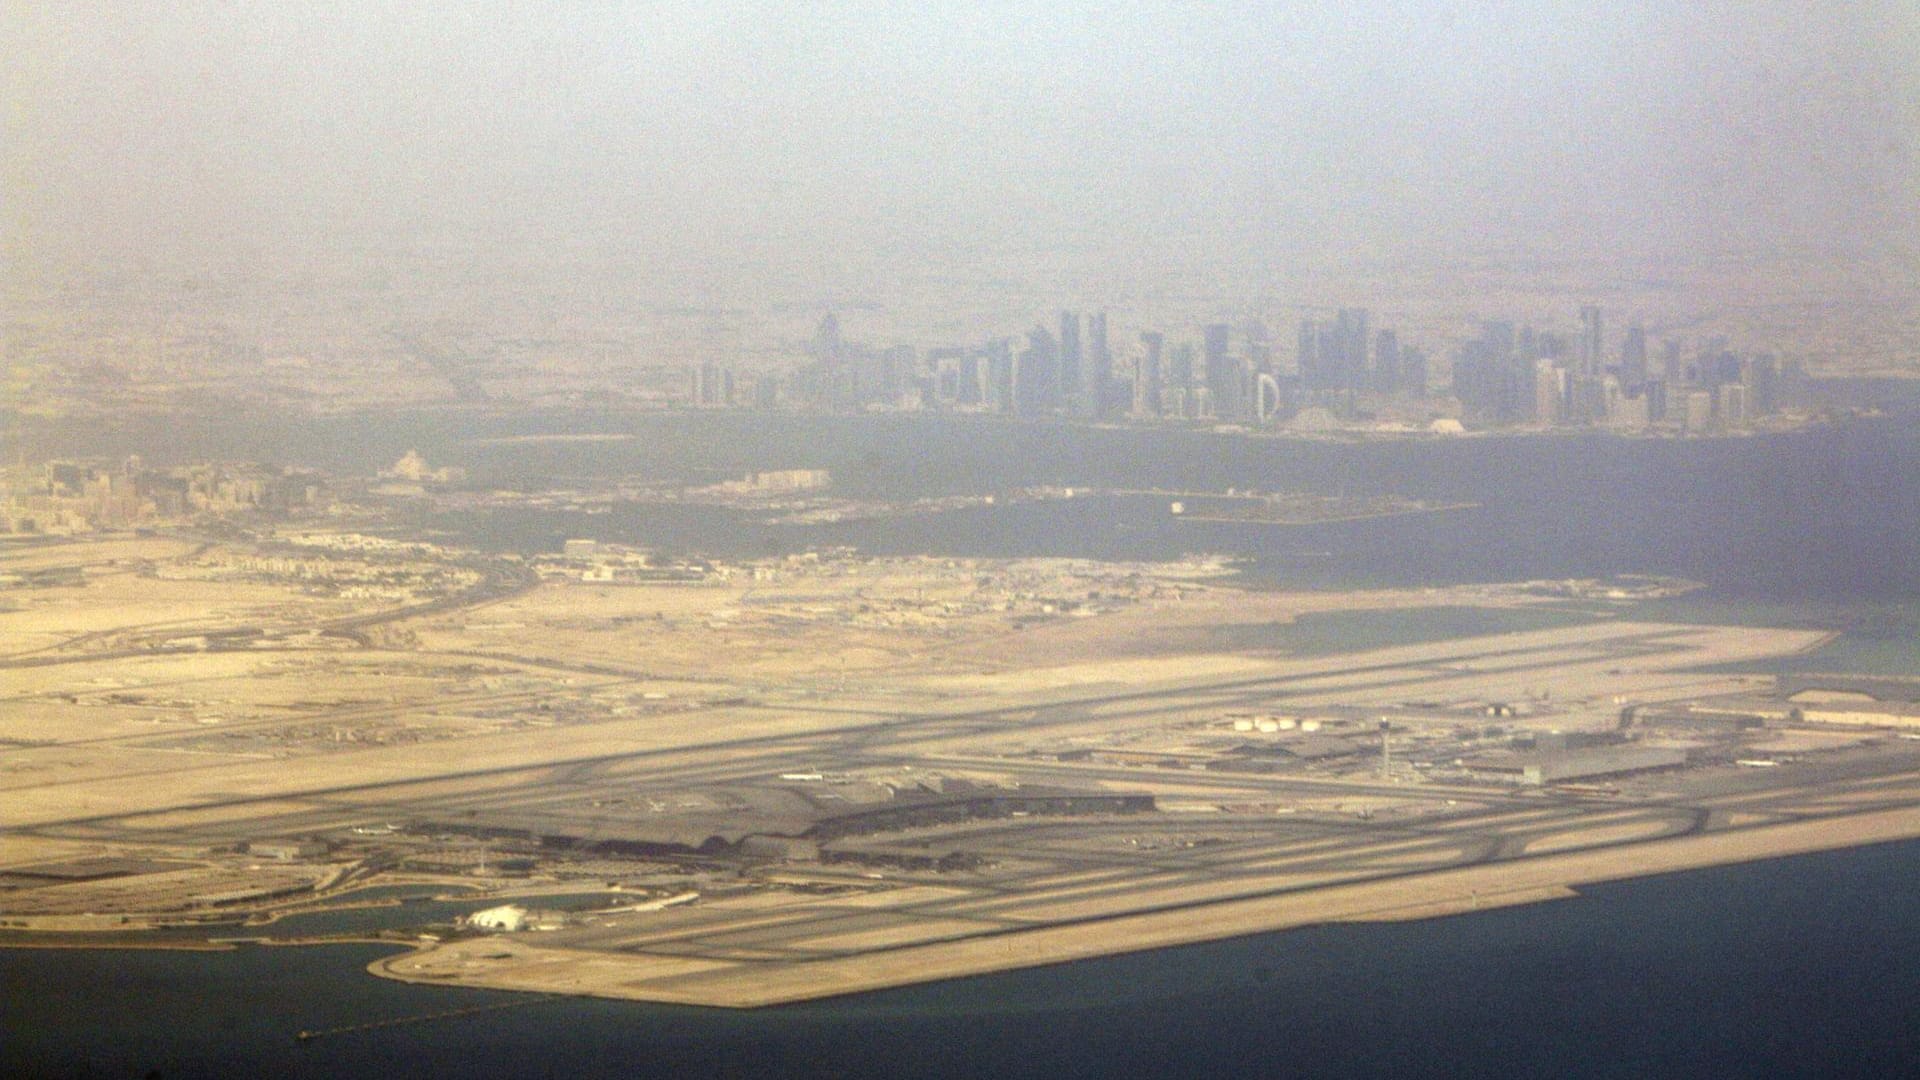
(1346, 369)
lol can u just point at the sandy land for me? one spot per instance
(97, 554)
(672, 709)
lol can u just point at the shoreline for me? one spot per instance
(1436, 894)
(1797, 423)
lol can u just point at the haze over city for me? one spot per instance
(1154, 540)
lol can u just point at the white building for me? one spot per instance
(508, 917)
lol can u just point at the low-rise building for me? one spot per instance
(506, 918)
(1608, 761)
(1891, 714)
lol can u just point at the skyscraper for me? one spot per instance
(1148, 376)
(1592, 358)
(998, 392)
(1549, 392)
(828, 347)
(1036, 380)
(1413, 372)
(1762, 378)
(1307, 360)
(1099, 366)
(1222, 382)
(1386, 363)
(1633, 356)
(1071, 375)
(1266, 397)
(1351, 340)
(1178, 372)
(1672, 368)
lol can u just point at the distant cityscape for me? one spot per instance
(1488, 348)
(1341, 373)
(61, 497)
(1343, 376)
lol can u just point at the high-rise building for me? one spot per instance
(1591, 357)
(1630, 411)
(1733, 405)
(1699, 414)
(1549, 391)
(1718, 364)
(766, 392)
(1099, 366)
(1036, 380)
(1611, 395)
(1655, 392)
(1790, 384)
(1633, 356)
(1308, 363)
(1586, 399)
(997, 393)
(1266, 397)
(1386, 363)
(1413, 372)
(1222, 381)
(1762, 378)
(1351, 338)
(1071, 375)
(1500, 339)
(829, 348)
(1148, 381)
(1178, 371)
(1493, 383)
(712, 385)
(952, 377)
(1259, 351)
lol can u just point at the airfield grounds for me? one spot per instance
(850, 773)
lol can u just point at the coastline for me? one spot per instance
(1423, 896)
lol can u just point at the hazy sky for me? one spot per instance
(716, 133)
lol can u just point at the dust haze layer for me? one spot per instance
(714, 152)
